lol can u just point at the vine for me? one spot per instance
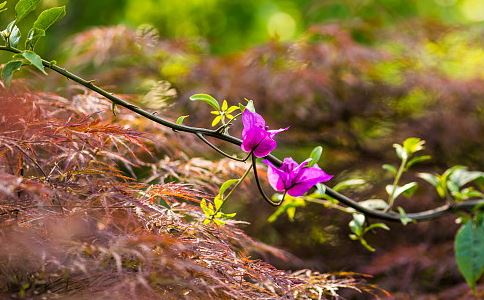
(291, 180)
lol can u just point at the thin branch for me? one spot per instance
(199, 135)
(259, 186)
(389, 216)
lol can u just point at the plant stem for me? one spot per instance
(391, 197)
(389, 216)
(233, 189)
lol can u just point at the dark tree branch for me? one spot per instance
(389, 216)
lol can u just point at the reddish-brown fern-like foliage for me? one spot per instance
(77, 223)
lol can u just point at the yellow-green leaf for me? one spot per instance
(34, 59)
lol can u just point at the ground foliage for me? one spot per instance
(76, 220)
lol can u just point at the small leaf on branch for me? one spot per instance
(346, 184)
(24, 7)
(207, 99)
(417, 160)
(407, 190)
(469, 250)
(401, 152)
(34, 59)
(33, 37)
(377, 204)
(9, 69)
(12, 34)
(226, 185)
(389, 168)
(315, 156)
(2, 6)
(403, 216)
(180, 119)
(49, 16)
(413, 145)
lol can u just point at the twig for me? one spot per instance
(389, 216)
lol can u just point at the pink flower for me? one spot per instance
(293, 178)
(256, 137)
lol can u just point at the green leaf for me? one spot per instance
(33, 37)
(413, 144)
(288, 206)
(401, 152)
(24, 7)
(407, 190)
(2, 6)
(250, 105)
(417, 160)
(9, 69)
(346, 184)
(357, 224)
(469, 251)
(315, 156)
(377, 225)
(227, 216)
(430, 178)
(207, 99)
(34, 59)
(49, 16)
(207, 208)
(462, 176)
(226, 185)
(403, 216)
(377, 204)
(218, 201)
(12, 32)
(180, 119)
(216, 120)
(389, 168)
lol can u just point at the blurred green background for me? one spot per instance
(233, 25)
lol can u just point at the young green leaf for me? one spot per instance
(462, 176)
(403, 216)
(413, 145)
(207, 208)
(315, 156)
(34, 59)
(346, 184)
(417, 160)
(408, 189)
(469, 251)
(49, 17)
(218, 201)
(401, 152)
(288, 206)
(250, 105)
(180, 119)
(377, 225)
(24, 7)
(13, 34)
(430, 178)
(389, 168)
(33, 37)
(9, 69)
(378, 204)
(2, 6)
(226, 185)
(207, 99)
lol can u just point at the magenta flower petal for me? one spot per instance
(251, 138)
(293, 178)
(265, 147)
(275, 176)
(250, 119)
(256, 138)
